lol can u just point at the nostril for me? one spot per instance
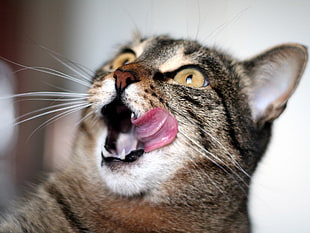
(128, 81)
(123, 79)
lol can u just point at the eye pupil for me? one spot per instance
(189, 79)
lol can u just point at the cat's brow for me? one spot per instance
(139, 48)
(175, 62)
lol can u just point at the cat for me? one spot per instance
(170, 136)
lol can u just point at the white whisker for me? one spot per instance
(58, 88)
(47, 94)
(50, 71)
(232, 159)
(52, 99)
(52, 111)
(47, 108)
(55, 73)
(214, 158)
(61, 115)
(235, 162)
(83, 118)
(206, 174)
(65, 61)
(226, 24)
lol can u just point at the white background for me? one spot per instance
(91, 30)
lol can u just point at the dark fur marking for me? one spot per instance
(205, 142)
(193, 101)
(194, 47)
(193, 115)
(154, 94)
(160, 77)
(230, 121)
(66, 209)
(151, 103)
(165, 42)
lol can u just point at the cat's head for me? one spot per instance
(168, 109)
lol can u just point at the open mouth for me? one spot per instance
(130, 137)
(121, 142)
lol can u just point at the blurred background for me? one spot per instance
(88, 32)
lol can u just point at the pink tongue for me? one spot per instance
(155, 129)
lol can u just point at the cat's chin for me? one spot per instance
(132, 178)
(143, 176)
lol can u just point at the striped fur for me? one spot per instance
(197, 183)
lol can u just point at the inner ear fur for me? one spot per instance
(274, 75)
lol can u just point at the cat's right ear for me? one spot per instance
(274, 75)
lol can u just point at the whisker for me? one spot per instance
(59, 116)
(55, 73)
(214, 158)
(206, 174)
(58, 88)
(54, 100)
(199, 20)
(235, 162)
(43, 68)
(50, 71)
(83, 118)
(47, 108)
(226, 24)
(46, 94)
(49, 112)
(232, 159)
(65, 61)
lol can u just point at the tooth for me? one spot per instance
(133, 115)
(123, 154)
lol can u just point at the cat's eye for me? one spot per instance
(191, 77)
(122, 59)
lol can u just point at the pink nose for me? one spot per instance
(123, 79)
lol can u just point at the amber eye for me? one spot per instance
(191, 77)
(122, 59)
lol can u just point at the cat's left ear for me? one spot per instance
(274, 76)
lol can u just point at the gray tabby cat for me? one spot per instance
(170, 137)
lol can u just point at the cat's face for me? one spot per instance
(171, 109)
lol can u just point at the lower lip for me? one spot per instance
(131, 157)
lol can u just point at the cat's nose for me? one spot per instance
(123, 78)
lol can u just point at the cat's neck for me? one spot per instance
(122, 214)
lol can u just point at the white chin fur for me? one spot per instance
(144, 175)
(134, 179)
